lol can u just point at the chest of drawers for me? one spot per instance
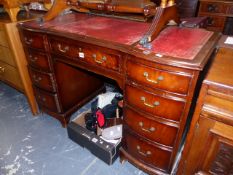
(209, 145)
(218, 12)
(67, 60)
(8, 68)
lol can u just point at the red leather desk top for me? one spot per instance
(183, 43)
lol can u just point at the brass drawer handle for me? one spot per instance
(37, 79)
(145, 154)
(42, 98)
(28, 41)
(103, 59)
(156, 103)
(151, 129)
(63, 50)
(160, 78)
(33, 59)
(2, 70)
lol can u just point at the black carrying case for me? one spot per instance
(108, 152)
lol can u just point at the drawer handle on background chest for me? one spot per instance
(28, 41)
(2, 70)
(210, 21)
(63, 50)
(156, 103)
(160, 78)
(103, 59)
(33, 59)
(212, 8)
(147, 153)
(37, 79)
(151, 129)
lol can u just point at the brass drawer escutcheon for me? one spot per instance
(37, 79)
(156, 103)
(2, 70)
(160, 78)
(64, 49)
(28, 40)
(103, 59)
(33, 59)
(42, 98)
(146, 153)
(151, 129)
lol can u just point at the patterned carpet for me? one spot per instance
(38, 145)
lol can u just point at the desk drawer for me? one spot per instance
(160, 106)
(212, 7)
(216, 22)
(34, 40)
(10, 74)
(156, 78)
(66, 48)
(88, 53)
(39, 60)
(43, 80)
(3, 38)
(6, 56)
(102, 58)
(48, 100)
(151, 129)
(147, 152)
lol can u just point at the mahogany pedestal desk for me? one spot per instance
(209, 146)
(68, 55)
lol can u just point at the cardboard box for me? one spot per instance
(108, 152)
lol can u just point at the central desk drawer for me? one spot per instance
(151, 129)
(48, 100)
(43, 80)
(95, 55)
(145, 151)
(101, 58)
(157, 78)
(39, 60)
(160, 106)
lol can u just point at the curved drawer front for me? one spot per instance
(147, 152)
(43, 80)
(154, 104)
(153, 130)
(158, 78)
(48, 100)
(33, 39)
(92, 54)
(39, 60)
